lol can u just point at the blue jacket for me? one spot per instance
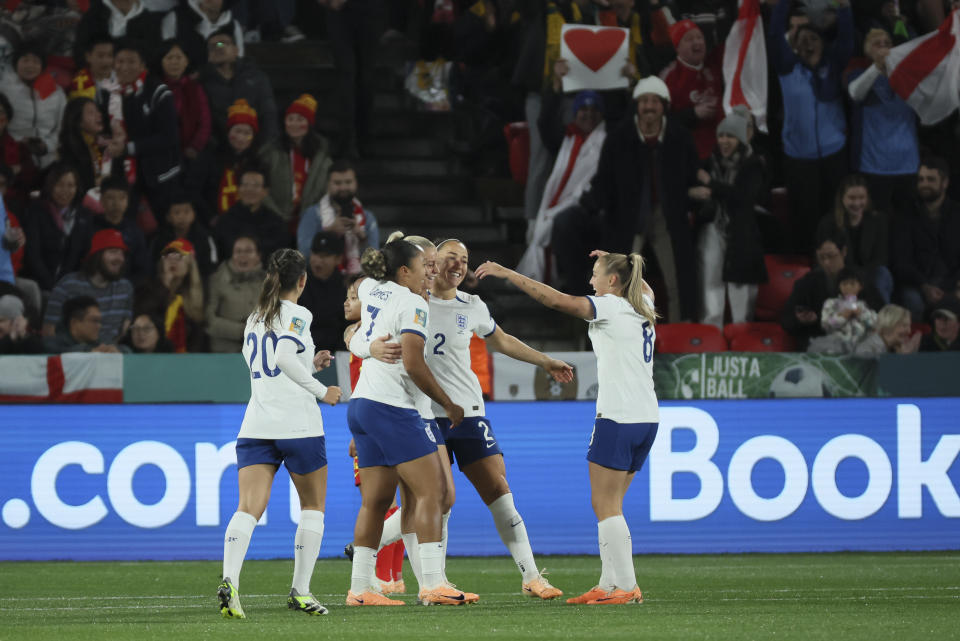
(814, 124)
(883, 132)
(6, 265)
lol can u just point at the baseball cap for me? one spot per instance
(326, 242)
(180, 245)
(948, 307)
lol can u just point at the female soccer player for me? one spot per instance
(622, 320)
(282, 424)
(454, 318)
(392, 442)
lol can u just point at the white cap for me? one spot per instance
(652, 84)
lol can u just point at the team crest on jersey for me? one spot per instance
(462, 321)
(420, 318)
(298, 325)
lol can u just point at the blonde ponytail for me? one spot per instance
(629, 270)
(397, 235)
(419, 241)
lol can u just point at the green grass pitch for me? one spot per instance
(834, 597)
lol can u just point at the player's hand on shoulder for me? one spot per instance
(322, 359)
(598, 253)
(560, 371)
(455, 414)
(349, 332)
(332, 397)
(389, 353)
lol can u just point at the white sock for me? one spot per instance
(431, 565)
(513, 533)
(236, 540)
(364, 567)
(443, 544)
(615, 532)
(391, 530)
(306, 547)
(607, 580)
(413, 555)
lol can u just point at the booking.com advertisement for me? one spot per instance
(160, 482)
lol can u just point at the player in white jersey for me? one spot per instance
(393, 444)
(282, 424)
(454, 318)
(622, 329)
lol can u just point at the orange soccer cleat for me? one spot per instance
(541, 588)
(586, 597)
(370, 598)
(619, 597)
(442, 596)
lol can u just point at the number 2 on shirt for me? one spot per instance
(373, 319)
(252, 339)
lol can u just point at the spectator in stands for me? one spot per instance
(194, 21)
(119, 19)
(892, 334)
(270, 21)
(96, 69)
(102, 279)
(884, 128)
(57, 230)
(945, 336)
(150, 125)
(81, 330)
(354, 28)
(325, 288)
(713, 17)
(240, 148)
(647, 165)
(730, 245)
(176, 295)
(227, 78)
(801, 313)
(814, 128)
(12, 243)
(541, 24)
(886, 16)
(340, 212)
(846, 319)
(577, 149)
(87, 147)
(190, 102)
(298, 164)
(867, 233)
(12, 239)
(15, 155)
(15, 334)
(181, 222)
(234, 289)
(926, 241)
(145, 336)
(696, 85)
(37, 103)
(251, 217)
(115, 198)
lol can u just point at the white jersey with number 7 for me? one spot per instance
(623, 342)
(388, 308)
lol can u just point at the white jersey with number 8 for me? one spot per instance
(623, 342)
(278, 407)
(452, 324)
(388, 308)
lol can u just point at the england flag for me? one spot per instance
(745, 64)
(925, 72)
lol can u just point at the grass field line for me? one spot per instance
(329, 595)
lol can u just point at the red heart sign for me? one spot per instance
(594, 48)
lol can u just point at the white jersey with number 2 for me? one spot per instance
(623, 342)
(452, 324)
(388, 308)
(279, 407)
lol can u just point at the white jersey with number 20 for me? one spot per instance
(388, 308)
(623, 342)
(279, 408)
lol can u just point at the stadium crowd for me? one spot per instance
(147, 172)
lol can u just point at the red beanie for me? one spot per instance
(679, 29)
(241, 113)
(106, 239)
(306, 106)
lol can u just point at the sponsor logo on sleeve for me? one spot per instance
(298, 325)
(420, 318)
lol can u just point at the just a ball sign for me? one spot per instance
(596, 57)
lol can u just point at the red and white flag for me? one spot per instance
(745, 64)
(69, 378)
(925, 72)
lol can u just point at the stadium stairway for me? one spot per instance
(412, 179)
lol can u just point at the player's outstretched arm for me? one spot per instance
(513, 347)
(422, 377)
(577, 306)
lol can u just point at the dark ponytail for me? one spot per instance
(382, 264)
(284, 270)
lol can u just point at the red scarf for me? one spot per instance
(175, 324)
(11, 150)
(300, 166)
(572, 130)
(135, 87)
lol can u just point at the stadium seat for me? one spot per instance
(518, 143)
(757, 337)
(686, 338)
(782, 271)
